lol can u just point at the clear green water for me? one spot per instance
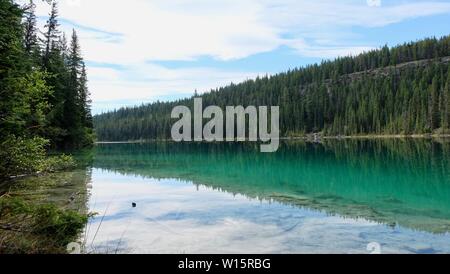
(334, 197)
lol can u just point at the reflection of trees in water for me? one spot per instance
(390, 181)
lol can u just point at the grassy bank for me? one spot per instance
(29, 228)
(42, 209)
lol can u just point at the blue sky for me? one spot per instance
(139, 51)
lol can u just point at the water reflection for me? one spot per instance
(393, 182)
(178, 217)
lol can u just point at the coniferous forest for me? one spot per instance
(403, 90)
(43, 85)
(347, 172)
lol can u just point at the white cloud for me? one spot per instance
(131, 33)
(326, 52)
(374, 3)
(181, 30)
(150, 81)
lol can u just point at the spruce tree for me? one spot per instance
(11, 65)
(72, 121)
(434, 116)
(446, 99)
(51, 34)
(33, 102)
(30, 29)
(85, 101)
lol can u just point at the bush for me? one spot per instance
(27, 228)
(22, 156)
(59, 163)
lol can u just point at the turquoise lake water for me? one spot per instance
(332, 197)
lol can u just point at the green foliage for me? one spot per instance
(28, 228)
(61, 226)
(69, 125)
(59, 163)
(44, 94)
(44, 102)
(32, 105)
(11, 59)
(23, 156)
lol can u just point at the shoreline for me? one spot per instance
(309, 137)
(390, 136)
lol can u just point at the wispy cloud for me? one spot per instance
(144, 81)
(131, 36)
(181, 30)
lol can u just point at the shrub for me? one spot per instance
(59, 163)
(22, 156)
(27, 228)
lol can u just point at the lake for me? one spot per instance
(339, 196)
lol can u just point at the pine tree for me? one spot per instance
(63, 46)
(446, 99)
(11, 65)
(434, 115)
(85, 99)
(74, 64)
(32, 101)
(350, 95)
(71, 112)
(51, 34)
(30, 29)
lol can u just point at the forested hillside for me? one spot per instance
(400, 90)
(43, 86)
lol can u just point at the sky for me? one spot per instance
(140, 51)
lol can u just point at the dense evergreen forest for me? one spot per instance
(43, 86)
(400, 90)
